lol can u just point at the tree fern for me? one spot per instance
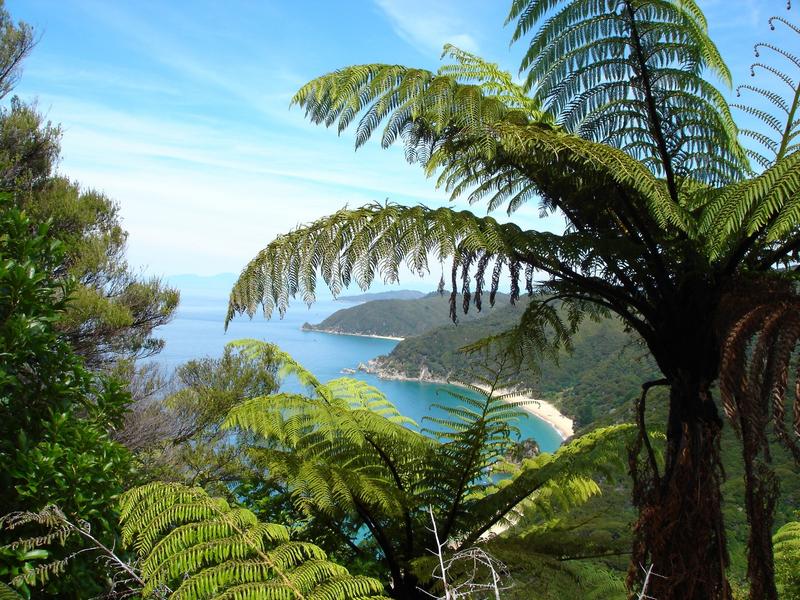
(667, 226)
(194, 546)
(346, 455)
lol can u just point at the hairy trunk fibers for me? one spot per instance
(680, 531)
(761, 493)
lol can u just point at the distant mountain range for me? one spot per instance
(390, 295)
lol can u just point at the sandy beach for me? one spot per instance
(541, 409)
(367, 335)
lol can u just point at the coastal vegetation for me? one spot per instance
(244, 476)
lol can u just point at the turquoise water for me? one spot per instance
(198, 331)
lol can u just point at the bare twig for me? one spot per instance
(473, 584)
(648, 573)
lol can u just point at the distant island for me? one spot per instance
(389, 295)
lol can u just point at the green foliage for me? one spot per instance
(542, 576)
(29, 148)
(112, 311)
(16, 42)
(54, 415)
(37, 533)
(787, 558)
(193, 546)
(179, 437)
(347, 456)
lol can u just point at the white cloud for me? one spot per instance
(428, 24)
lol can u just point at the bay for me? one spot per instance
(197, 331)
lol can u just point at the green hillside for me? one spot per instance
(596, 381)
(399, 318)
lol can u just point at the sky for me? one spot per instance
(179, 110)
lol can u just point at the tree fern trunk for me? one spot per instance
(761, 493)
(680, 531)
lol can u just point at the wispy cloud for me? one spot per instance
(203, 196)
(428, 24)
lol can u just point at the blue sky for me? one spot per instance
(180, 110)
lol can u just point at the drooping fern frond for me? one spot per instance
(200, 547)
(416, 103)
(757, 353)
(374, 241)
(631, 74)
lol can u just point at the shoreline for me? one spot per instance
(541, 409)
(366, 335)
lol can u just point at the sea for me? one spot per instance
(198, 331)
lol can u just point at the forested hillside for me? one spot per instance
(399, 318)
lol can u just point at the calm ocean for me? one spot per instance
(197, 331)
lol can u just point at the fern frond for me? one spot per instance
(201, 548)
(599, 451)
(784, 127)
(786, 548)
(631, 75)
